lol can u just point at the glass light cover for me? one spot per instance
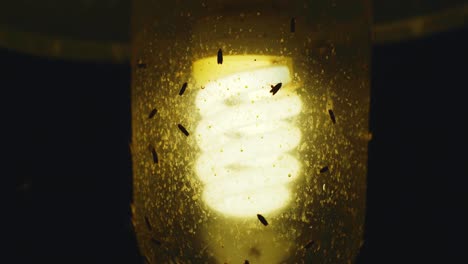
(249, 130)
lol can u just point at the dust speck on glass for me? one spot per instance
(255, 114)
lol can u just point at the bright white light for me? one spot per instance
(245, 136)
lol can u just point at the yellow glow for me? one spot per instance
(245, 134)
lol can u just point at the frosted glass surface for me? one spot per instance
(261, 157)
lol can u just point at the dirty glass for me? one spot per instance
(249, 130)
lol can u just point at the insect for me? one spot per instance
(293, 25)
(182, 90)
(220, 56)
(152, 113)
(262, 219)
(154, 154)
(274, 89)
(141, 64)
(332, 116)
(182, 128)
(246, 262)
(309, 244)
(148, 225)
(324, 169)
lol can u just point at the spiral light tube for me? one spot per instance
(246, 136)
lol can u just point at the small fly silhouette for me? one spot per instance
(182, 90)
(262, 219)
(274, 89)
(152, 113)
(182, 128)
(220, 56)
(154, 154)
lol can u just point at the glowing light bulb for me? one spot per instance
(215, 145)
(246, 134)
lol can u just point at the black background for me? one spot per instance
(68, 129)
